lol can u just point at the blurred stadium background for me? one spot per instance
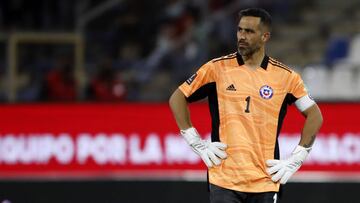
(84, 87)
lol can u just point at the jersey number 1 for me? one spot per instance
(247, 104)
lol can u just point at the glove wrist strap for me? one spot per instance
(190, 135)
(301, 152)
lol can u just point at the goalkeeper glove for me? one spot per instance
(283, 169)
(210, 152)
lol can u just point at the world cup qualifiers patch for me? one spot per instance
(266, 92)
(191, 79)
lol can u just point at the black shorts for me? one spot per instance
(223, 195)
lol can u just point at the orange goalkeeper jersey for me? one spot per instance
(247, 108)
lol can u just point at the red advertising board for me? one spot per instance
(141, 140)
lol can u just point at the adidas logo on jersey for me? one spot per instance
(231, 88)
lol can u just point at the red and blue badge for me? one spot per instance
(266, 92)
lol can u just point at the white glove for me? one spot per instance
(210, 152)
(283, 169)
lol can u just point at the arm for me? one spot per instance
(180, 110)
(312, 125)
(283, 169)
(210, 152)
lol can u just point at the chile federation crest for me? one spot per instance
(266, 92)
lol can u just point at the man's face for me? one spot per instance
(251, 35)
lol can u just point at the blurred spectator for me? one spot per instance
(176, 48)
(29, 86)
(107, 85)
(60, 82)
(337, 48)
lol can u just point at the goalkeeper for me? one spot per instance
(248, 93)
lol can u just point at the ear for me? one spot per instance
(266, 36)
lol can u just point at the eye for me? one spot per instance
(249, 31)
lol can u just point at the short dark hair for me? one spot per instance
(265, 17)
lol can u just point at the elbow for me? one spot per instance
(314, 115)
(321, 119)
(318, 118)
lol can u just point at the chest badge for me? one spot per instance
(266, 92)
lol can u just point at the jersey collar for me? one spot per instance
(263, 64)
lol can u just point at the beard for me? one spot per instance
(248, 50)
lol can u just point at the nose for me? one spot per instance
(240, 35)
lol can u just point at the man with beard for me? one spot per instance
(248, 93)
